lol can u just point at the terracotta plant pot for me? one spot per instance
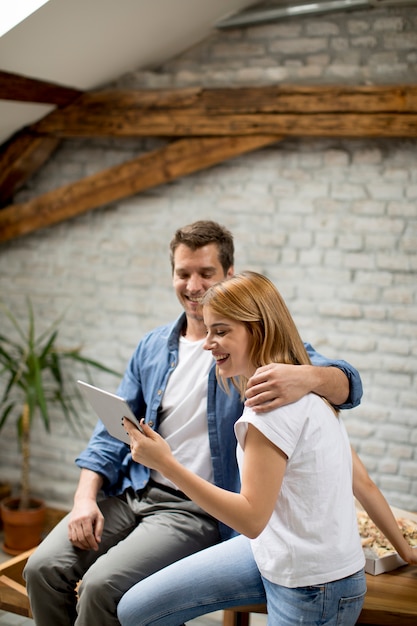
(5, 492)
(22, 528)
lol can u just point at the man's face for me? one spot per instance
(194, 272)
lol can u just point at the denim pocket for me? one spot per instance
(349, 610)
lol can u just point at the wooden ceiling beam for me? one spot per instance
(187, 124)
(24, 89)
(378, 111)
(213, 124)
(271, 98)
(177, 159)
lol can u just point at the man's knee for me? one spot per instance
(42, 570)
(97, 594)
(96, 583)
(35, 566)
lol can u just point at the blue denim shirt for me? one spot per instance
(143, 387)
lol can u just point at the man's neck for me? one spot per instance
(194, 330)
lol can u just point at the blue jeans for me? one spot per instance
(337, 603)
(225, 576)
(216, 578)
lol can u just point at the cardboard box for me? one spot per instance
(378, 565)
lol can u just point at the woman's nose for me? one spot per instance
(208, 343)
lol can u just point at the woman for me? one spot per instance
(297, 469)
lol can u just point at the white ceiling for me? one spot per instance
(88, 43)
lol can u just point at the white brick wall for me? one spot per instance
(332, 222)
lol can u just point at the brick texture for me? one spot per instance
(332, 222)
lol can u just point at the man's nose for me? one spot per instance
(195, 284)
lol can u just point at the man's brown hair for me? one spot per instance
(203, 233)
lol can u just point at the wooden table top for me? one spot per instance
(391, 599)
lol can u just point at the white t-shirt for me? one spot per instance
(312, 536)
(184, 411)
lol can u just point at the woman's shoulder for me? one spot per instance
(295, 413)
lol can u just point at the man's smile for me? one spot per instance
(195, 299)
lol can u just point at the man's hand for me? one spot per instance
(86, 525)
(276, 385)
(279, 384)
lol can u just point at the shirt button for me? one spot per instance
(150, 423)
(173, 364)
(159, 392)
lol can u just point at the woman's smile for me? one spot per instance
(228, 342)
(220, 358)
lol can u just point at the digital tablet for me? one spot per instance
(111, 409)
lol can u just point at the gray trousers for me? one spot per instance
(141, 536)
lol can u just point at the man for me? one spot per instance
(128, 522)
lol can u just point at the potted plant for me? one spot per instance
(31, 368)
(5, 492)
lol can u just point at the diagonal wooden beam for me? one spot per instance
(23, 154)
(291, 110)
(20, 158)
(25, 89)
(160, 166)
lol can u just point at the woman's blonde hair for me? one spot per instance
(253, 300)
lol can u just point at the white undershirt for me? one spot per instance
(184, 411)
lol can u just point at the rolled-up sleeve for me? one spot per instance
(352, 374)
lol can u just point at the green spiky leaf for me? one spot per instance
(32, 374)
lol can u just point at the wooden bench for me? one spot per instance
(391, 600)
(13, 596)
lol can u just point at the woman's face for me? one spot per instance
(229, 342)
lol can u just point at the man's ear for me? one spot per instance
(230, 272)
